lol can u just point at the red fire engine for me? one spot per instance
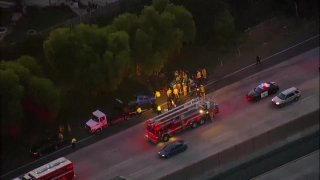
(189, 114)
(59, 169)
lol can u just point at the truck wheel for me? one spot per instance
(202, 121)
(194, 124)
(165, 138)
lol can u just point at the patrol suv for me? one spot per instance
(287, 96)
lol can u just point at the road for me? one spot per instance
(129, 155)
(294, 170)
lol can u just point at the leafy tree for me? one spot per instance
(31, 64)
(22, 89)
(160, 34)
(126, 22)
(224, 28)
(42, 99)
(113, 52)
(183, 20)
(11, 92)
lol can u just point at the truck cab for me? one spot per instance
(97, 122)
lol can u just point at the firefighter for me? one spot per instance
(204, 74)
(185, 77)
(198, 75)
(173, 104)
(178, 86)
(169, 92)
(169, 105)
(176, 92)
(73, 144)
(202, 91)
(159, 109)
(60, 136)
(157, 94)
(139, 110)
(185, 90)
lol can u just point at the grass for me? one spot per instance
(265, 39)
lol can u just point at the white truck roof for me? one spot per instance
(98, 114)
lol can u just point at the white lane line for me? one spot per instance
(308, 97)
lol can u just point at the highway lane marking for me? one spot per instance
(308, 97)
(209, 83)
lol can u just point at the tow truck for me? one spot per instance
(190, 114)
(97, 122)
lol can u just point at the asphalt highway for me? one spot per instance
(128, 154)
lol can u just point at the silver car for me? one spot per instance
(287, 96)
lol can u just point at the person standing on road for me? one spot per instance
(176, 92)
(202, 91)
(258, 60)
(169, 93)
(73, 144)
(159, 109)
(204, 74)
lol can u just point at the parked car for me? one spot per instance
(287, 96)
(262, 90)
(45, 146)
(172, 149)
(119, 114)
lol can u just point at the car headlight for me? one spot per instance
(277, 103)
(163, 155)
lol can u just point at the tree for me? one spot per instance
(11, 92)
(22, 89)
(31, 64)
(162, 30)
(224, 28)
(42, 99)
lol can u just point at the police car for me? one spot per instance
(262, 90)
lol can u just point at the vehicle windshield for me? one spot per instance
(95, 118)
(281, 96)
(168, 147)
(257, 90)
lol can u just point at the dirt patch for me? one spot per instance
(264, 40)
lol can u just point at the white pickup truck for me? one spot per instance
(97, 122)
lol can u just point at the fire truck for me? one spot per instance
(190, 114)
(59, 169)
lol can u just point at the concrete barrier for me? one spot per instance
(225, 160)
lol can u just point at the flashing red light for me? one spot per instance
(157, 128)
(264, 85)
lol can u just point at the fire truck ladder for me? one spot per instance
(196, 102)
